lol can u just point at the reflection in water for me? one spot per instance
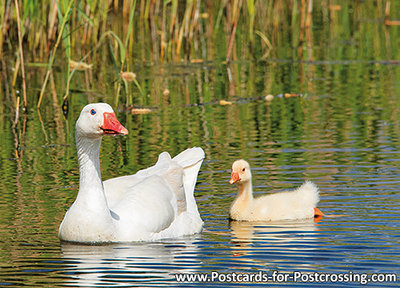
(121, 264)
(273, 238)
(344, 135)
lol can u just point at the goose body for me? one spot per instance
(155, 203)
(286, 205)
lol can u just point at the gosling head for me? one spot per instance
(240, 172)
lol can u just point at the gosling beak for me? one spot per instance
(112, 126)
(234, 178)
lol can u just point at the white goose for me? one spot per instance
(154, 203)
(287, 205)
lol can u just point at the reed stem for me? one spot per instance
(21, 53)
(232, 38)
(53, 54)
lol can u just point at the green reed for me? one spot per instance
(66, 39)
(170, 31)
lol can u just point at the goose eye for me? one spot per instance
(243, 169)
(92, 112)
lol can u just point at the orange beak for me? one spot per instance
(112, 126)
(234, 178)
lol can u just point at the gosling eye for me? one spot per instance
(92, 112)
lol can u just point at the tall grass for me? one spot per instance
(167, 30)
(21, 55)
(62, 32)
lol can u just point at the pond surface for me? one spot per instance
(344, 137)
(341, 130)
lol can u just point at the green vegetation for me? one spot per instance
(170, 57)
(126, 34)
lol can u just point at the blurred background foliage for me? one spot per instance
(122, 39)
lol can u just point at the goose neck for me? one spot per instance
(90, 184)
(245, 190)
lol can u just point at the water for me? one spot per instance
(350, 150)
(343, 134)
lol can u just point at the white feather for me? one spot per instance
(285, 205)
(155, 203)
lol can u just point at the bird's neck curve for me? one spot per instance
(91, 190)
(245, 191)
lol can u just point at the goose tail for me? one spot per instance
(191, 160)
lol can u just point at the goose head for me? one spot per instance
(97, 120)
(240, 172)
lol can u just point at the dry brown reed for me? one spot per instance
(168, 30)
